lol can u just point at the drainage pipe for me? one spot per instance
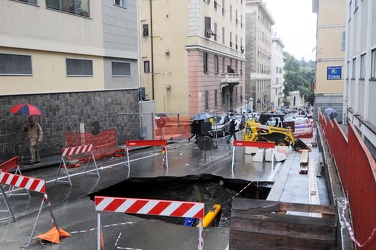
(211, 215)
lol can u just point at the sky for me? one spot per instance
(295, 24)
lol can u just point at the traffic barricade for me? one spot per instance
(75, 151)
(259, 144)
(149, 207)
(29, 183)
(9, 165)
(152, 143)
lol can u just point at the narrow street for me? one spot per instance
(75, 213)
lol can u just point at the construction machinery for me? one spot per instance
(255, 131)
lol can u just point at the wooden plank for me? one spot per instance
(308, 231)
(254, 206)
(304, 157)
(287, 219)
(244, 240)
(259, 224)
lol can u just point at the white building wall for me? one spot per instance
(360, 68)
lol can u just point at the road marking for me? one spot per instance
(109, 166)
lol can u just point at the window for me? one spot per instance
(215, 32)
(146, 67)
(223, 35)
(79, 67)
(15, 65)
(215, 98)
(362, 66)
(205, 62)
(216, 66)
(223, 64)
(343, 40)
(121, 69)
(78, 7)
(373, 64)
(29, 1)
(120, 3)
(208, 31)
(230, 39)
(223, 7)
(206, 99)
(230, 12)
(353, 69)
(348, 69)
(145, 29)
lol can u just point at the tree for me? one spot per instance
(299, 76)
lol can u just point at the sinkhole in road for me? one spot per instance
(206, 188)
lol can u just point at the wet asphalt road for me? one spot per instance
(75, 212)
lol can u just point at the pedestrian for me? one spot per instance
(34, 136)
(232, 130)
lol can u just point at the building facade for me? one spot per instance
(259, 24)
(193, 54)
(77, 60)
(330, 54)
(277, 79)
(360, 70)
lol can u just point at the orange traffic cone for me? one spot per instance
(53, 235)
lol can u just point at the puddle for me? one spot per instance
(209, 189)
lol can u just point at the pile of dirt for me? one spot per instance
(205, 188)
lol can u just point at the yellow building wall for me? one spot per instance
(331, 24)
(49, 74)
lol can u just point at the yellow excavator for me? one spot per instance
(254, 131)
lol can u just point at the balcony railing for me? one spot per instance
(230, 78)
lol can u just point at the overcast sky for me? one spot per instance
(295, 24)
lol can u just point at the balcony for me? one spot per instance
(230, 78)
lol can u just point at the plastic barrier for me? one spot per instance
(258, 144)
(9, 165)
(150, 207)
(74, 151)
(33, 184)
(140, 143)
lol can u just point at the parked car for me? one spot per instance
(220, 126)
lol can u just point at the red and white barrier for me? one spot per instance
(152, 143)
(21, 181)
(75, 151)
(10, 165)
(150, 207)
(259, 144)
(29, 183)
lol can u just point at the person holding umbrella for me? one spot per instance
(34, 136)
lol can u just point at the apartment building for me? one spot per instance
(193, 54)
(77, 60)
(277, 79)
(330, 53)
(258, 69)
(360, 70)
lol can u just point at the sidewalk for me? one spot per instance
(54, 160)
